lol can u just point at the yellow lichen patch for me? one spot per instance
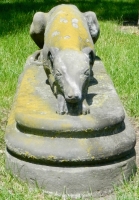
(89, 149)
(68, 21)
(82, 142)
(86, 146)
(62, 161)
(28, 155)
(28, 103)
(51, 157)
(99, 100)
(100, 149)
(101, 77)
(88, 118)
(11, 118)
(66, 126)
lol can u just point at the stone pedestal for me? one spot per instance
(79, 155)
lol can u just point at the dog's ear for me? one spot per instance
(93, 25)
(90, 53)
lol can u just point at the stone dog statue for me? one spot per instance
(66, 38)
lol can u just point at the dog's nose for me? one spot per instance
(72, 98)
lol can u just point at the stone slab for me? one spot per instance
(76, 151)
(75, 181)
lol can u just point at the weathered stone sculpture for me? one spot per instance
(82, 154)
(67, 39)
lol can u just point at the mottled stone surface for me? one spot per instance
(79, 153)
(63, 151)
(75, 181)
(36, 104)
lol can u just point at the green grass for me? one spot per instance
(119, 52)
(13, 189)
(129, 190)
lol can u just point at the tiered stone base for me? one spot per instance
(76, 181)
(80, 155)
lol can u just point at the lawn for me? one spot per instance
(117, 46)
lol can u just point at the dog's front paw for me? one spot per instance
(61, 105)
(85, 108)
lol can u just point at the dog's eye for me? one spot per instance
(87, 72)
(58, 73)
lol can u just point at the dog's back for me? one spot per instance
(67, 29)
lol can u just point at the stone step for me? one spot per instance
(77, 182)
(73, 151)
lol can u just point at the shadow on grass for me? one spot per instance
(18, 14)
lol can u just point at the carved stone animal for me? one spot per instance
(67, 39)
